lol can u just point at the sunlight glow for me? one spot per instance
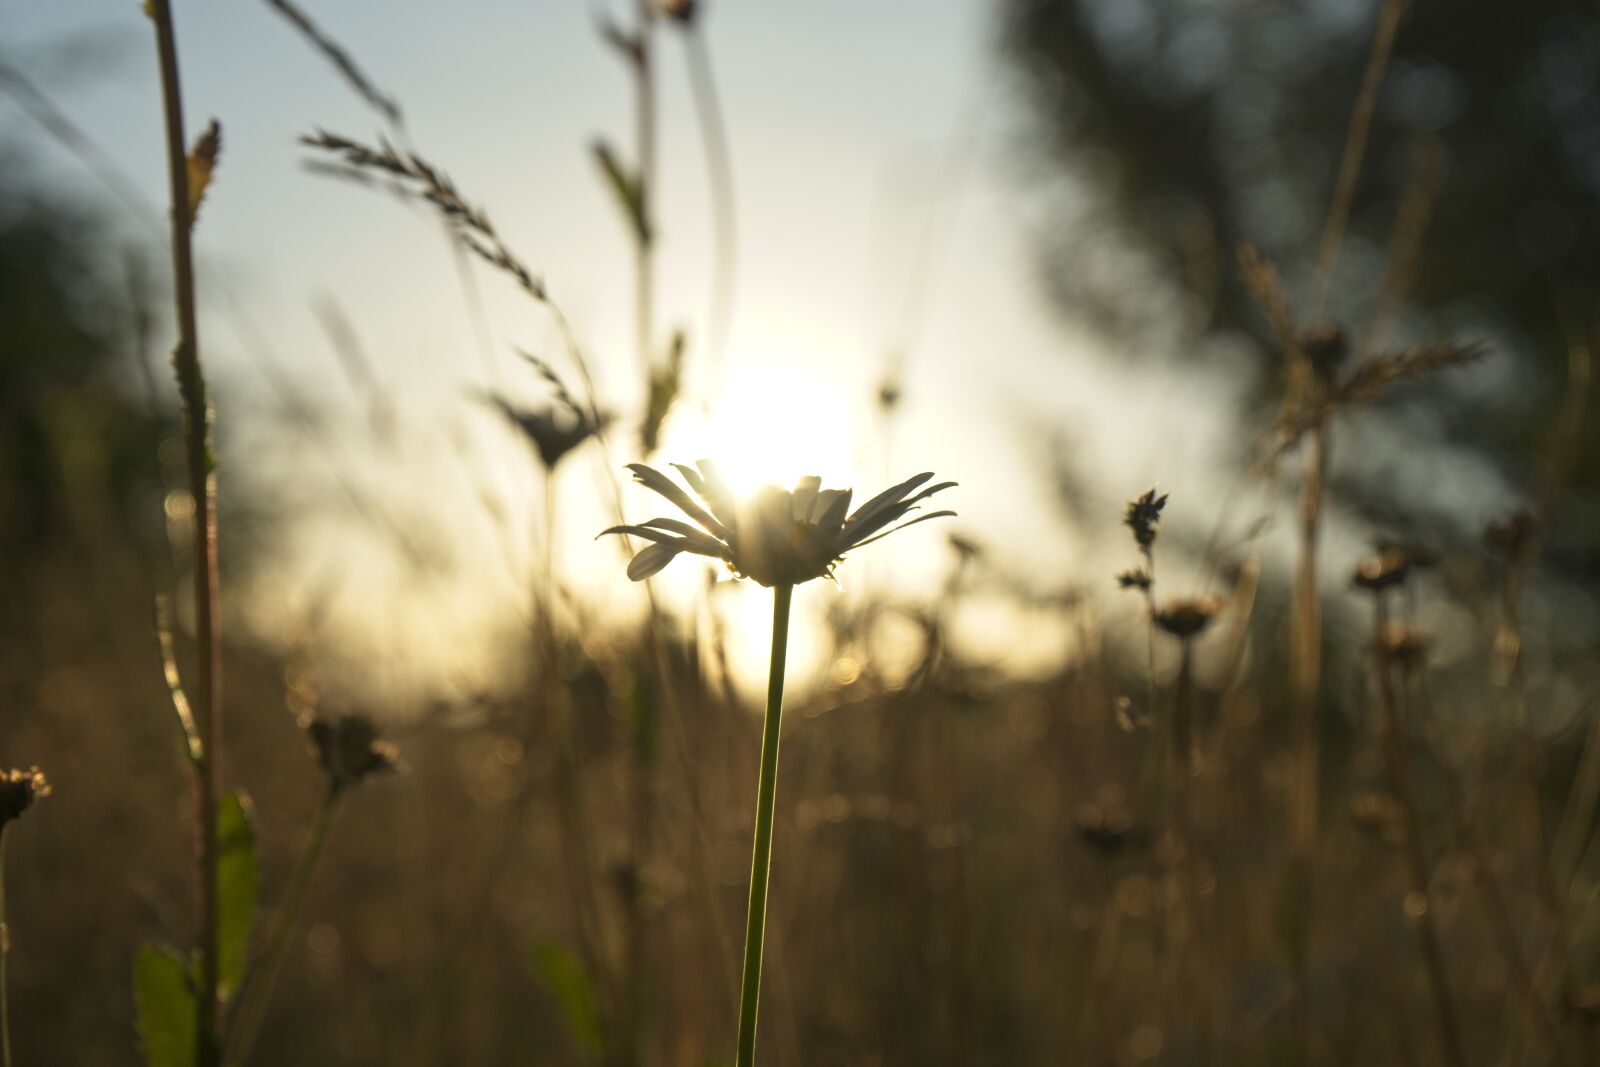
(779, 418)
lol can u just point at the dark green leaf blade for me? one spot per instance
(168, 1014)
(567, 981)
(238, 886)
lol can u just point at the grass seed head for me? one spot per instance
(1143, 517)
(1135, 578)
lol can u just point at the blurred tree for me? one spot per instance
(78, 471)
(1183, 129)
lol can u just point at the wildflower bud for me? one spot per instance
(18, 791)
(1143, 517)
(1187, 617)
(349, 749)
(888, 397)
(1383, 571)
(1324, 349)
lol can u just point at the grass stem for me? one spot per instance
(202, 489)
(1306, 689)
(1394, 746)
(5, 953)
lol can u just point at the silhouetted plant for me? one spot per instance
(779, 539)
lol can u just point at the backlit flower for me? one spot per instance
(778, 537)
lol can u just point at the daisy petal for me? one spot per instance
(652, 559)
(639, 531)
(827, 540)
(651, 478)
(697, 540)
(903, 525)
(804, 495)
(721, 498)
(891, 495)
(831, 508)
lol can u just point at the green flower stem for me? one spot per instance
(253, 998)
(761, 860)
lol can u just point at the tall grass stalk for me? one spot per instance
(5, 954)
(761, 858)
(1306, 685)
(1181, 770)
(1419, 905)
(202, 490)
(1306, 676)
(724, 210)
(1498, 903)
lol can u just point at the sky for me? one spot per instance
(886, 201)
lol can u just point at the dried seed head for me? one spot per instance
(1416, 553)
(349, 749)
(1143, 517)
(682, 11)
(1186, 617)
(1383, 571)
(18, 791)
(1512, 535)
(1324, 349)
(1404, 644)
(1137, 578)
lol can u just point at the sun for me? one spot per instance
(777, 419)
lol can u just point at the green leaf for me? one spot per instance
(628, 190)
(168, 1013)
(238, 887)
(566, 980)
